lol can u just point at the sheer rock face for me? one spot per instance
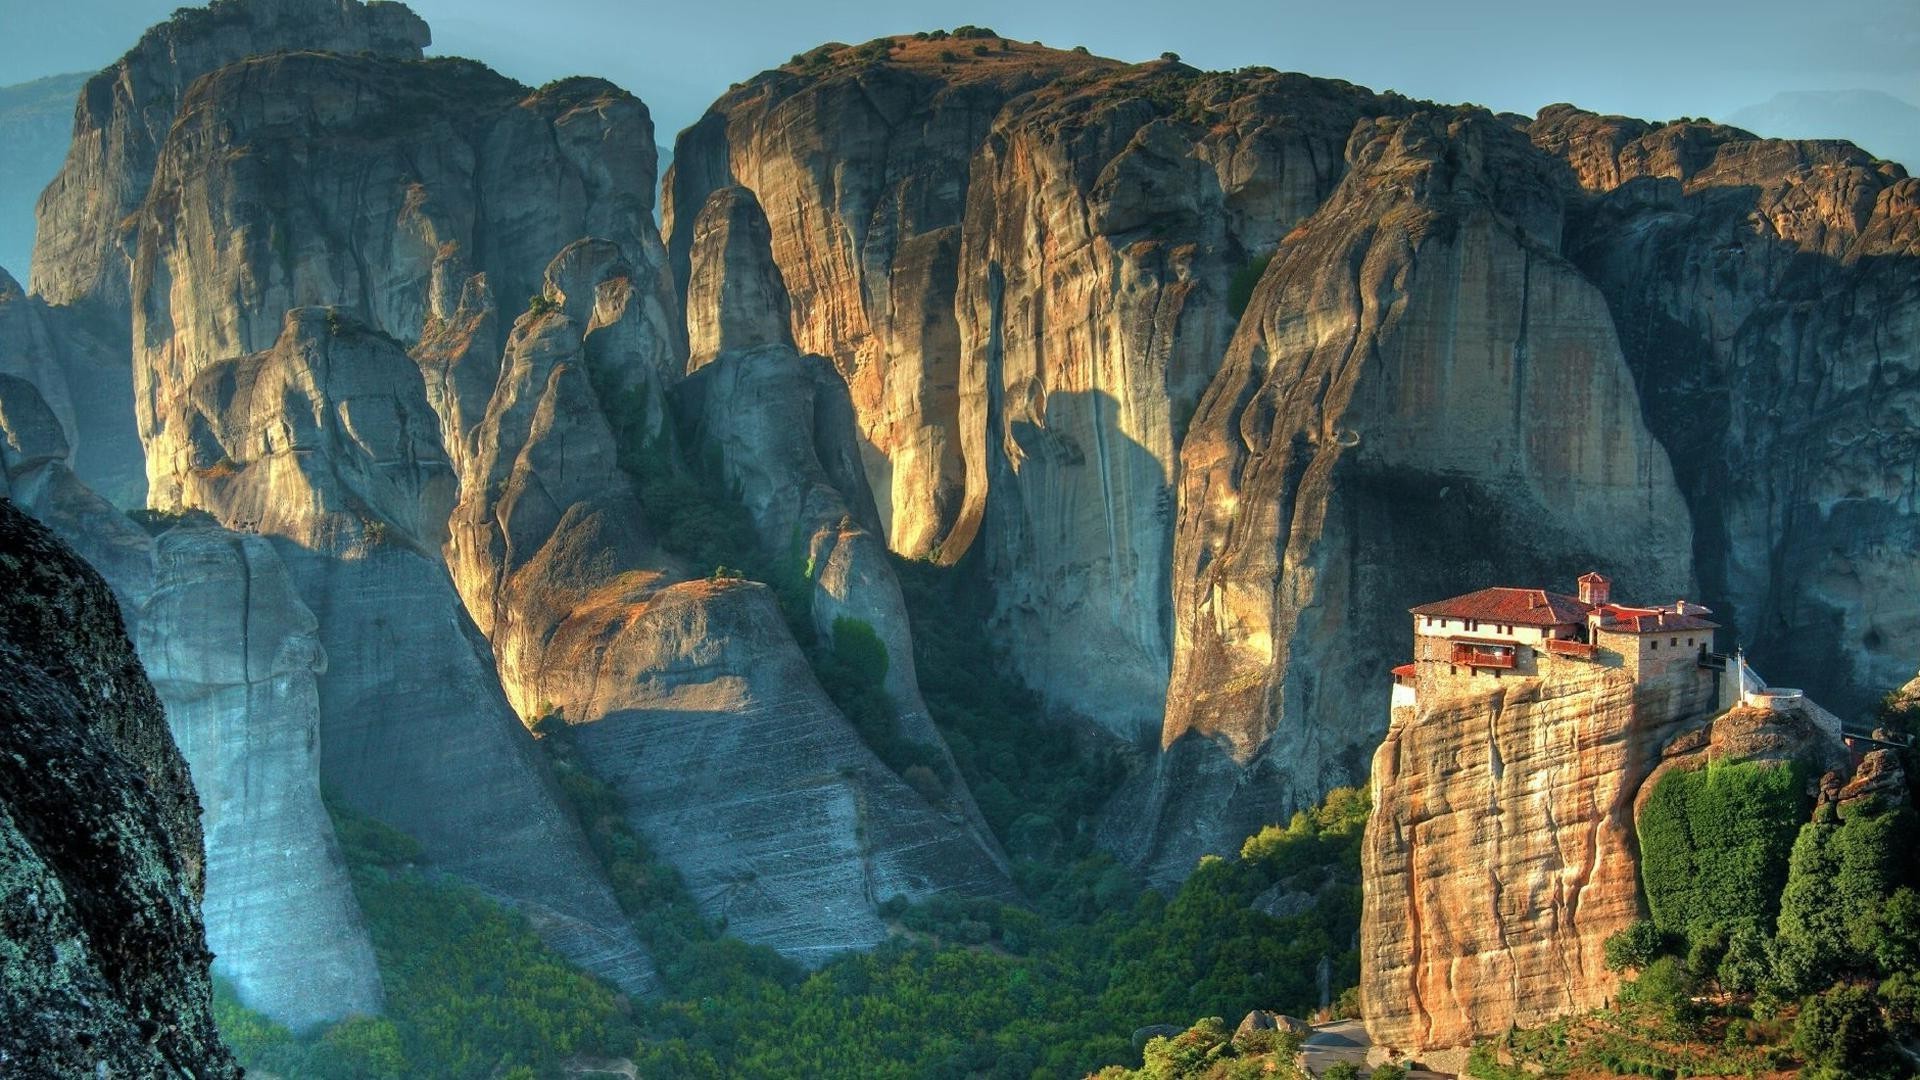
(735, 298)
(1500, 854)
(327, 444)
(104, 964)
(1423, 397)
(1105, 224)
(861, 168)
(690, 697)
(234, 654)
(784, 429)
(69, 356)
(80, 249)
(1020, 264)
(1768, 295)
(378, 186)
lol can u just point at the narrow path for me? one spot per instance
(1344, 1040)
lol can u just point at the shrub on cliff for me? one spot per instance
(1715, 845)
(1842, 912)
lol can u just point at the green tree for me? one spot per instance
(1635, 947)
(1841, 1035)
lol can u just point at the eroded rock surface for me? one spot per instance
(235, 656)
(80, 247)
(326, 443)
(1423, 396)
(689, 696)
(103, 967)
(1768, 298)
(1500, 854)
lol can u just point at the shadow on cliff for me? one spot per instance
(1081, 512)
(1753, 434)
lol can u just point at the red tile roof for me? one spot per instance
(1517, 607)
(1405, 671)
(1632, 620)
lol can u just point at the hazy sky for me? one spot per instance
(1652, 58)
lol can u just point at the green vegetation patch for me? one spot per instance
(1714, 844)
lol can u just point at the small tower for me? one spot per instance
(1595, 589)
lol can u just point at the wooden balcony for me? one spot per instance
(1483, 655)
(1579, 650)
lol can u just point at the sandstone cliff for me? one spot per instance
(1500, 854)
(326, 444)
(689, 696)
(81, 248)
(1423, 395)
(235, 655)
(1020, 262)
(861, 166)
(104, 968)
(1768, 299)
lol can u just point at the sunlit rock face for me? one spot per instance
(1423, 398)
(235, 656)
(1106, 222)
(1501, 852)
(81, 248)
(1768, 299)
(689, 696)
(861, 169)
(783, 427)
(1020, 264)
(104, 970)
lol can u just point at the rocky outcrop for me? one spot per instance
(690, 697)
(81, 248)
(1423, 396)
(735, 297)
(861, 164)
(104, 964)
(783, 428)
(326, 444)
(1500, 854)
(235, 654)
(342, 208)
(232, 655)
(1020, 263)
(1768, 299)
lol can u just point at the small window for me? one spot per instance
(1673, 642)
(1656, 643)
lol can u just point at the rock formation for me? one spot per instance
(1422, 395)
(326, 443)
(234, 654)
(1500, 854)
(783, 428)
(1768, 298)
(80, 250)
(690, 697)
(861, 166)
(104, 965)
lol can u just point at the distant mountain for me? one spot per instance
(1878, 122)
(35, 120)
